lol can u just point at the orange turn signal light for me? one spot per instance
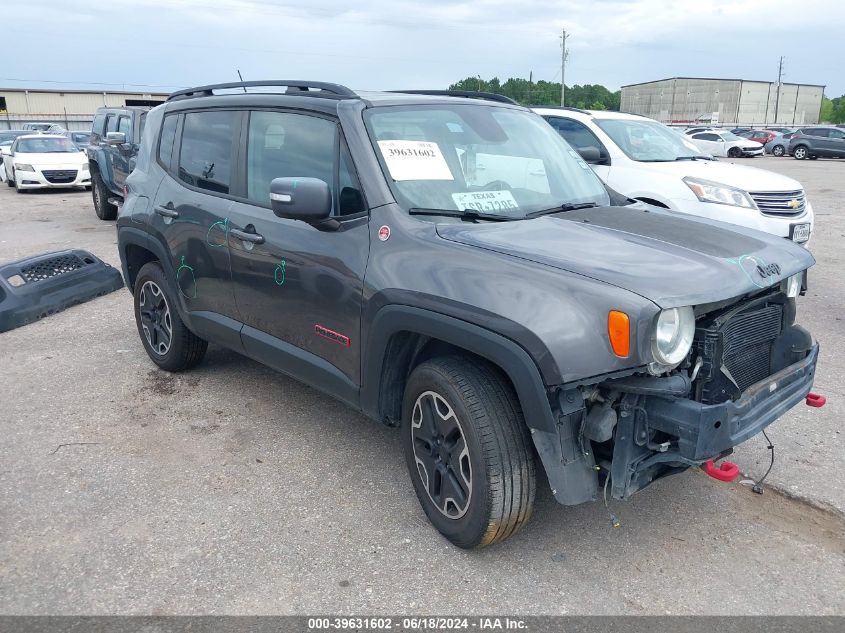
(619, 332)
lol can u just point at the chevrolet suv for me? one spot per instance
(356, 242)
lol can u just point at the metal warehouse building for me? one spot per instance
(683, 100)
(73, 109)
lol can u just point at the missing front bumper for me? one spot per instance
(701, 431)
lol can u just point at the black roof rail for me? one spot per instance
(469, 94)
(554, 107)
(294, 86)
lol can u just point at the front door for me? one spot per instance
(835, 142)
(299, 289)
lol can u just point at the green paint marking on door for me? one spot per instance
(224, 226)
(279, 273)
(185, 277)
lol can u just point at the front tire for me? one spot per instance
(778, 150)
(468, 450)
(800, 152)
(103, 208)
(168, 341)
(734, 152)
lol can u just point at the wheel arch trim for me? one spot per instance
(510, 357)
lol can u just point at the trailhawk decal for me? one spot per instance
(337, 337)
(414, 160)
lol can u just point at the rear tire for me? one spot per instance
(800, 152)
(168, 341)
(103, 208)
(468, 450)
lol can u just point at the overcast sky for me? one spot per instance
(383, 44)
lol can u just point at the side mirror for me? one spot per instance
(590, 154)
(306, 199)
(116, 138)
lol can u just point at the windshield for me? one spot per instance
(8, 137)
(45, 145)
(479, 158)
(648, 141)
(730, 136)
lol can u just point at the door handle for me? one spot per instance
(167, 213)
(246, 236)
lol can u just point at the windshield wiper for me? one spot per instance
(465, 214)
(562, 208)
(692, 158)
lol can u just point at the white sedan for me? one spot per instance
(728, 144)
(40, 161)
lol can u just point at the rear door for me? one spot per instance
(298, 289)
(197, 149)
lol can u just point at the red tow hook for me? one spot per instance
(815, 400)
(726, 471)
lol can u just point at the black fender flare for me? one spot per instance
(97, 159)
(128, 235)
(503, 352)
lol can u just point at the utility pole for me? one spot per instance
(564, 54)
(777, 96)
(530, 81)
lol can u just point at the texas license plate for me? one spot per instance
(800, 232)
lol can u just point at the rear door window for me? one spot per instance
(205, 158)
(168, 136)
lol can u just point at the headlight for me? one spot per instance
(24, 167)
(707, 191)
(672, 336)
(792, 285)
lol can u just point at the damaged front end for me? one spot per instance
(748, 364)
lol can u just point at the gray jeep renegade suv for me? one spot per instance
(450, 266)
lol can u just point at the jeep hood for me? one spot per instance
(671, 259)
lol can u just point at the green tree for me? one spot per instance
(542, 92)
(826, 115)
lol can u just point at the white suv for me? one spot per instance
(643, 159)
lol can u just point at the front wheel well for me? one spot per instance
(136, 256)
(404, 352)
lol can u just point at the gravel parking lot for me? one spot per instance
(232, 489)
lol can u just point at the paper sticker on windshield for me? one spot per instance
(486, 201)
(414, 160)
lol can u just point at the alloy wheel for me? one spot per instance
(441, 454)
(778, 150)
(154, 313)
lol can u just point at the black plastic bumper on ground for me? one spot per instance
(35, 287)
(707, 431)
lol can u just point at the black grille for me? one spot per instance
(52, 267)
(737, 351)
(59, 175)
